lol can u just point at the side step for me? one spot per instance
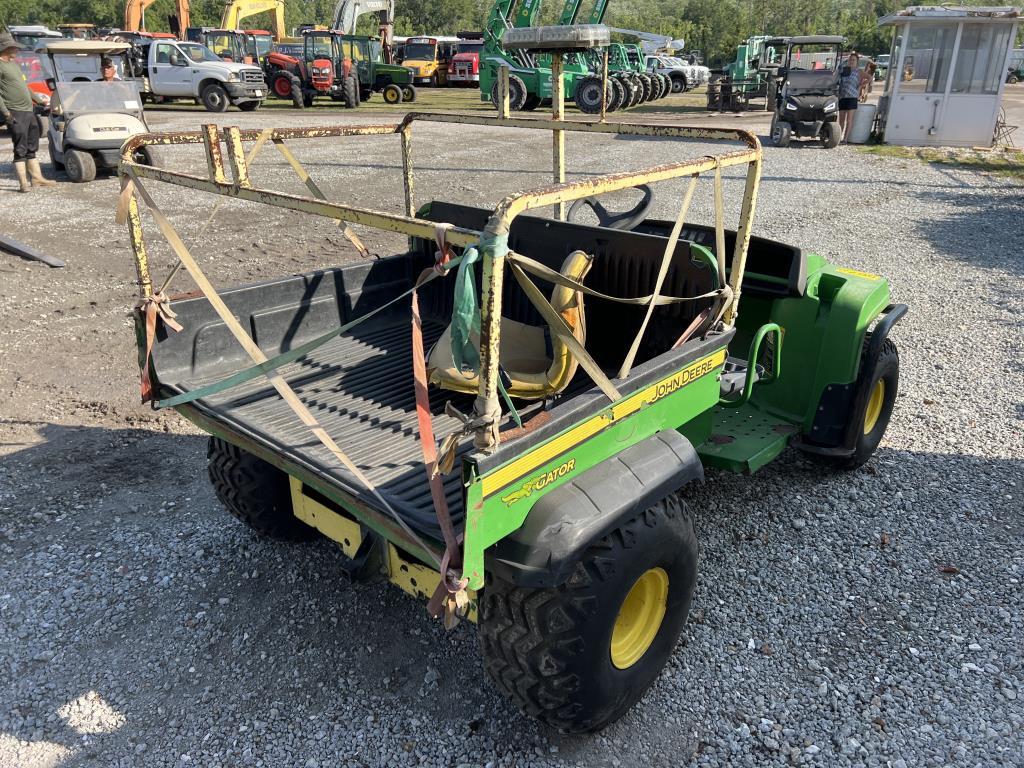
(744, 439)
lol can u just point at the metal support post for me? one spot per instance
(558, 113)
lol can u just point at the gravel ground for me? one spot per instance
(871, 618)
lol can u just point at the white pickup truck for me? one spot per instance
(178, 69)
(171, 69)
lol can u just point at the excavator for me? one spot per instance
(259, 42)
(135, 15)
(346, 18)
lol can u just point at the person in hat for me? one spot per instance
(18, 113)
(109, 70)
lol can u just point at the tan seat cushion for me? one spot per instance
(536, 368)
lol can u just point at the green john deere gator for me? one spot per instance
(521, 458)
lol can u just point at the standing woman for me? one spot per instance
(19, 114)
(849, 92)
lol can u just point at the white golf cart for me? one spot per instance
(90, 118)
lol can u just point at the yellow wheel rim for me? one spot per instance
(391, 97)
(874, 409)
(639, 618)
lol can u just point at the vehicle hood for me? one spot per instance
(226, 67)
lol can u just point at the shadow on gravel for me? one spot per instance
(983, 227)
(184, 631)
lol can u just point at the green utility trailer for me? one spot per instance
(604, 366)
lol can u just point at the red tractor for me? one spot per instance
(318, 68)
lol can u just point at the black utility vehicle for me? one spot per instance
(807, 96)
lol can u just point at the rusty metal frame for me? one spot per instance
(492, 241)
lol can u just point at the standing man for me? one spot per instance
(16, 108)
(849, 92)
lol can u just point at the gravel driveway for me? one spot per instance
(871, 618)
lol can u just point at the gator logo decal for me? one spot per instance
(538, 483)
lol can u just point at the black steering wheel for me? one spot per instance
(627, 220)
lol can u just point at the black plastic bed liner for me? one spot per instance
(360, 388)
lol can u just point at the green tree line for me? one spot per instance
(714, 27)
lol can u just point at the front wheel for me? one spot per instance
(579, 655)
(782, 132)
(878, 393)
(215, 98)
(250, 106)
(408, 93)
(80, 166)
(831, 135)
(150, 156)
(392, 94)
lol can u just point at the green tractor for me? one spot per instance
(524, 460)
(392, 81)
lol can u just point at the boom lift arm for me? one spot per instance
(236, 10)
(656, 42)
(347, 13)
(135, 14)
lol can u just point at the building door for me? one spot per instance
(920, 81)
(978, 74)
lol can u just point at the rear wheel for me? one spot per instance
(617, 95)
(392, 94)
(281, 85)
(255, 492)
(80, 166)
(579, 655)
(215, 98)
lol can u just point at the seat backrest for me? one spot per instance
(625, 264)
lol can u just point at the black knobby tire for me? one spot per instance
(531, 103)
(549, 650)
(588, 95)
(616, 94)
(215, 98)
(870, 423)
(281, 84)
(80, 166)
(517, 93)
(658, 85)
(250, 106)
(831, 135)
(350, 93)
(648, 88)
(255, 492)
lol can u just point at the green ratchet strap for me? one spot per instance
(247, 374)
(466, 321)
